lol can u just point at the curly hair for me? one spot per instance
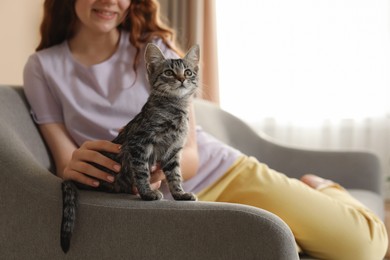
(142, 22)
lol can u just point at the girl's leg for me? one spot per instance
(327, 223)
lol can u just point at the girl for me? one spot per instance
(87, 77)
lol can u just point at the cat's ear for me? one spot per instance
(193, 54)
(153, 54)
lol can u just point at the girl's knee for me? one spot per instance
(372, 244)
(367, 241)
(366, 249)
(363, 246)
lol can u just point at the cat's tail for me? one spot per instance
(69, 205)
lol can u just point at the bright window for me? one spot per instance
(304, 60)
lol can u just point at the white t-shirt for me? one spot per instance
(95, 102)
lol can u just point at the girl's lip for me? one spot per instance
(105, 14)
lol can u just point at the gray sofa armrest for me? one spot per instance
(112, 226)
(353, 170)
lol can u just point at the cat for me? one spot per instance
(155, 136)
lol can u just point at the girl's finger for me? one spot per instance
(155, 185)
(92, 171)
(157, 176)
(80, 178)
(101, 145)
(91, 156)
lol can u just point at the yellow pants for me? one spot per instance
(327, 223)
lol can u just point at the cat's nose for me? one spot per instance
(181, 78)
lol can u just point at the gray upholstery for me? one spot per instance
(123, 227)
(115, 226)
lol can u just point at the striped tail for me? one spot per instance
(69, 205)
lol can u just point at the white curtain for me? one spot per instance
(313, 74)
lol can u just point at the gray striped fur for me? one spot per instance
(155, 136)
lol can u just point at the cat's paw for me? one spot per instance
(185, 196)
(152, 195)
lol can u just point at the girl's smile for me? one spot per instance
(101, 16)
(105, 14)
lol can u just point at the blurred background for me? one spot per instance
(311, 74)
(19, 27)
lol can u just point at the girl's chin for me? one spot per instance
(105, 27)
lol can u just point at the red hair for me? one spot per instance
(142, 22)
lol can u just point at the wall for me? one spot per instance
(19, 30)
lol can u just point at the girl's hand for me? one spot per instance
(79, 168)
(73, 163)
(156, 176)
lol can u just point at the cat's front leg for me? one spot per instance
(142, 182)
(135, 169)
(143, 186)
(173, 176)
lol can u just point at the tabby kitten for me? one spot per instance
(156, 135)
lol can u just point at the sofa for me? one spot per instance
(121, 226)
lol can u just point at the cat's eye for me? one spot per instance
(168, 73)
(188, 73)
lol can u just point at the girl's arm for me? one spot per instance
(72, 162)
